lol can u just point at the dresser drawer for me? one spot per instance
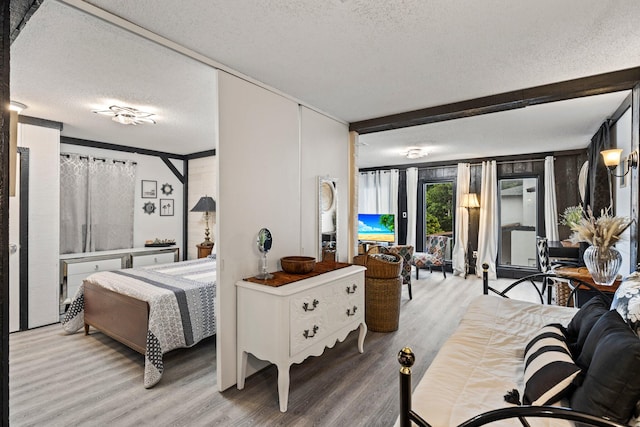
(346, 302)
(78, 271)
(308, 319)
(152, 259)
(93, 266)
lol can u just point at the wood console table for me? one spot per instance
(582, 273)
(583, 293)
(286, 324)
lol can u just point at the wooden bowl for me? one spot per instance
(298, 264)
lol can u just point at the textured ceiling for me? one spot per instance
(353, 59)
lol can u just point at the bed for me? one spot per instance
(479, 375)
(152, 309)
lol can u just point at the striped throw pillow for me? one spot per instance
(548, 367)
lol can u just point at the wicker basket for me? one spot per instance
(360, 260)
(382, 269)
(382, 303)
(562, 294)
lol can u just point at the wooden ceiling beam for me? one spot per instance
(586, 86)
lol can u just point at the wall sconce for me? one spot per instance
(612, 160)
(470, 200)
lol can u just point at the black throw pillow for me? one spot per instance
(583, 321)
(611, 357)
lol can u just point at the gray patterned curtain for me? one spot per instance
(96, 203)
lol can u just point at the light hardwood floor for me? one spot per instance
(69, 380)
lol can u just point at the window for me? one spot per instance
(438, 210)
(518, 198)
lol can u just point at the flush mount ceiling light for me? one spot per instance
(127, 115)
(415, 153)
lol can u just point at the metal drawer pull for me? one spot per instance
(306, 307)
(352, 289)
(307, 335)
(351, 312)
(97, 267)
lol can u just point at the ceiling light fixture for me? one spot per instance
(415, 153)
(127, 115)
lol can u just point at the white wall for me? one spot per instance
(202, 182)
(145, 226)
(325, 151)
(265, 180)
(44, 222)
(621, 138)
(258, 186)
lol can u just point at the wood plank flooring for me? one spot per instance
(75, 380)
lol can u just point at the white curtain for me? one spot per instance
(378, 192)
(488, 233)
(412, 205)
(458, 257)
(96, 203)
(367, 192)
(550, 206)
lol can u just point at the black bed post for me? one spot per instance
(485, 278)
(406, 358)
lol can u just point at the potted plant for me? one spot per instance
(571, 217)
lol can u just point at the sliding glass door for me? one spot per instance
(438, 211)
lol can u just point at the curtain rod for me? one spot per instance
(102, 159)
(507, 162)
(455, 165)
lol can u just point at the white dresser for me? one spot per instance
(74, 268)
(287, 324)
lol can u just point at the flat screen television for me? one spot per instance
(376, 228)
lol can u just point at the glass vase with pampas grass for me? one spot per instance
(601, 258)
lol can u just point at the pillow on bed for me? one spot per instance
(583, 321)
(611, 355)
(549, 370)
(626, 301)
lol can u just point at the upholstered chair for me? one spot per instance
(406, 252)
(433, 256)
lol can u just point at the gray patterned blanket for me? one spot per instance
(181, 299)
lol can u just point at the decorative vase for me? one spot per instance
(603, 264)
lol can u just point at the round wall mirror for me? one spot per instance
(326, 195)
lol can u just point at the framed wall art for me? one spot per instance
(166, 207)
(149, 189)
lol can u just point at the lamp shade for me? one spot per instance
(611, 157)
(470, 200)
(205, 204)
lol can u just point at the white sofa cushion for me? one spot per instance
(482, 360)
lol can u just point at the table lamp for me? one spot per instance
(207, 205)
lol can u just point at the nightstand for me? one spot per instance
(204, 250)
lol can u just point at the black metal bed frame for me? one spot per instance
(406, 358)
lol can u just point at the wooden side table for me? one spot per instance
(204, 250)
(583, 293)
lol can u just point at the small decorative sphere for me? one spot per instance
(406, 357)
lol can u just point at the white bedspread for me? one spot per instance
(482, 360)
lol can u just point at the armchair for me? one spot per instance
(433, 255)
(406, 252)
